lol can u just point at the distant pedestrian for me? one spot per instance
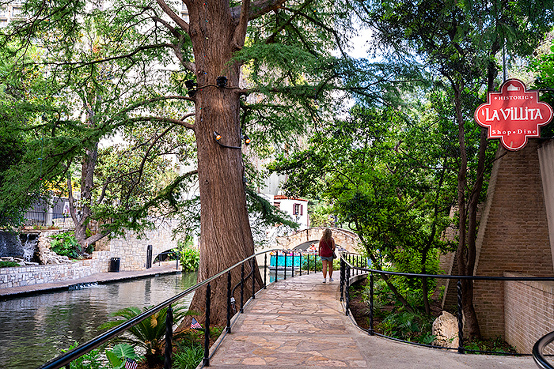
(326, 250)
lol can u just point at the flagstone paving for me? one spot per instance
(299, 322)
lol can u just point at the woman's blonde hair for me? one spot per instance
(327, 235)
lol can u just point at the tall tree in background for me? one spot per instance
(459, 42)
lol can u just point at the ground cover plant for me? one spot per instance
(8, 264)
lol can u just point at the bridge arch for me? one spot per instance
(301, 240)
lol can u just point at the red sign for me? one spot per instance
(513, 114)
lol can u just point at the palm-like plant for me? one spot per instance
(149, 333)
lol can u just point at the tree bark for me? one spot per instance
(225, 234)
(466, 252)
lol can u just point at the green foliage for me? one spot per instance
(187, 357)
(491, 345)
(318, 263)
(414, 327)
(189, 257)
(90, 360)
(321, 214)
(149, 333)
(543, 68)
(8, 264)
(264, 215)
(66, 244)
(119, 353)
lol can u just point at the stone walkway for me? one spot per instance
(300, 323)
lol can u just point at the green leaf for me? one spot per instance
(115, 361)
(125, 351)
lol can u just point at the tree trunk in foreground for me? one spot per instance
(225, 234)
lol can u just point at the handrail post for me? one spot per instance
(207, 327)
(228, 328)
(292, 267)
(371, 331)
(461, 349)
(253, 262)
(242, 288)
(347, 285)
(300, 262)
(342, 264)
(285, 276)
(265, 270)
(308, 264)
(168, 337)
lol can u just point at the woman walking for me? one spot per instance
(326, 248)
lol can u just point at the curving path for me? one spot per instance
(299, 322)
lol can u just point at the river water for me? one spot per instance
(34, 329)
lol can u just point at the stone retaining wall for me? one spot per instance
(30, 275)
(131, 250)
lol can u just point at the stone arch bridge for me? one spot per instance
(301, 240)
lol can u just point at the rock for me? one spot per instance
(445, 330)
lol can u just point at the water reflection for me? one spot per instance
(35, 329)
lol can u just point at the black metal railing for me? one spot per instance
(65, 359)
(353, 264)
(538, 351)
(167, 253)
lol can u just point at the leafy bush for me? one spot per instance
(66, 244)
(8, 264)
(189, 257)
(318, 265)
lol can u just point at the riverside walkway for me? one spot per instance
(299, 322)
(106, 277)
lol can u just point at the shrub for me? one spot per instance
(189, 258)
(8, 264)
(66, 244)
(318, 265)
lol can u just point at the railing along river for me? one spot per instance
(65, 359)
(354, 264)
(350, 265)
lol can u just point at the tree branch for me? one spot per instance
(240, 31)
(257, 9)
(167, 10)
(166, 120)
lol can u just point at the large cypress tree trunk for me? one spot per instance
(225, 234)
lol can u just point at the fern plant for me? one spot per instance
(149, 333)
